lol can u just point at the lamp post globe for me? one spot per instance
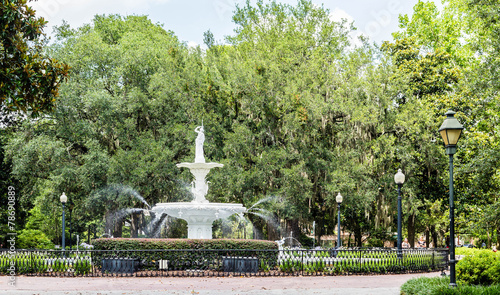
(339, 201)
(450, 131)
(63, 200)
(399, 178)
(339, 198)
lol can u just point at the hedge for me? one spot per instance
(182, 244)
(184, 254)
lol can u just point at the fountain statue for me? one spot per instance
(199, 213)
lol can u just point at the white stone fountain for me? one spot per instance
(199, 213)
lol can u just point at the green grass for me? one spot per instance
(440, 286)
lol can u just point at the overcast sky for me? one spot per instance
(188, 19)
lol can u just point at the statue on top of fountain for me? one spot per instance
(200, 139)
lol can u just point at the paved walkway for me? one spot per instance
(357, 285)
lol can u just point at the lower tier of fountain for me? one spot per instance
(199, 216)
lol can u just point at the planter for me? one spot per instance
(119, 265)
(241, 264)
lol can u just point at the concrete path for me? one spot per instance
(356, 285)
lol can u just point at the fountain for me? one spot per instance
(199, 213)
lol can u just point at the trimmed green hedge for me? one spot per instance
(183, 254)
(182, 244)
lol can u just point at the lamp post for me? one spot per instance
(63, 200)
(451, 130)
(339, 201)
(399, 178)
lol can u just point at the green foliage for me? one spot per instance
(174, 250)
(29, 78)
(440, 286)
(82, 267)
(33, 239)
(466, 251)
(480, 268)
(43, 262)
(221, 244)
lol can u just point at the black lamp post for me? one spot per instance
(63, 200)
(339, 201)
(399, 178)
(451, 130)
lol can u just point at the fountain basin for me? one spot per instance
(199, 216)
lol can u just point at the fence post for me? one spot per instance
(32, 267)
(360, 261)
(302, 262)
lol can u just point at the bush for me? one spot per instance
(306, 241)
(375, 242)
(466, 251)
(33, 239)
(440, 286)
(480, 268)
(182, 244)
(185, 253)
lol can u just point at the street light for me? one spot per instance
(339, 201)
(63, 200)
(451, 130)
(399, 178)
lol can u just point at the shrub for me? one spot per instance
(182, 244)
(466, 251)
(480, 268)
(185, 253)
(375, 242)
(33, 239)
(440, 286)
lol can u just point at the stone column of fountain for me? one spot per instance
(199, 213)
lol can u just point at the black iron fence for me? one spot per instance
(147, 263)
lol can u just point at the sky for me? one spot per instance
(189, 19)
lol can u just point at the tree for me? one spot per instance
(296, 104)
(121, 119)
(29, 79)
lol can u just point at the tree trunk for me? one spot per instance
(411, 230)
(434, 234)
(293, 230)
(319, 231)
(258, 227)
(273, 233)
(118, 228)
(358, 236)
(427, 238)
(134, 224)
(498, 236)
